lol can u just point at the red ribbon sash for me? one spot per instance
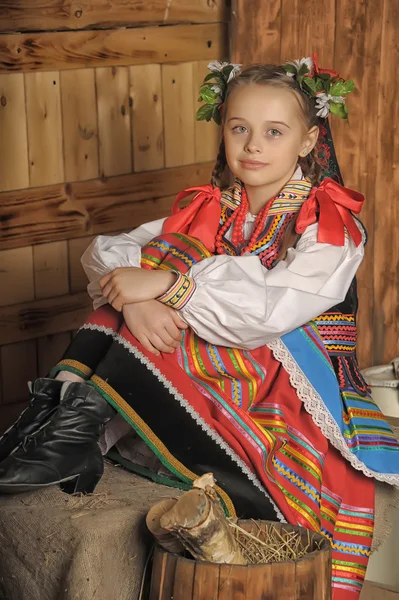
(333, 204)
(330, 204)
(200, 218)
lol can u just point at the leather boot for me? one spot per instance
(43, 402)
(66, 450)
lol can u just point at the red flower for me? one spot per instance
(316, 68)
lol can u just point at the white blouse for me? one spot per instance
(238, 302)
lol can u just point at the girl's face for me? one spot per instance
(264, 134)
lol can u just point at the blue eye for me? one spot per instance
(240, 129)
(275, 132)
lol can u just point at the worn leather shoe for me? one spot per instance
(43, 402)
(64, 451)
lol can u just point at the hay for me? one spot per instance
(269, 545)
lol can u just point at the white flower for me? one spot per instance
(323, 102)
(217, 89)
(216, 67)
(299, 63)
(323, 105)
(236, 69)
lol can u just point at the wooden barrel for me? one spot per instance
(175, 577)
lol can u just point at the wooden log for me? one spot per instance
(34, 15)
(108, 48)
(198, 521)
(153, 521)
(30, 320)
(66, 211)
(308, 578)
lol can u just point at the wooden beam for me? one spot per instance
(101, 48)
(35, 15)
(71, 210)
(27, 321)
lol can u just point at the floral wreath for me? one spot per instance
(326, 86)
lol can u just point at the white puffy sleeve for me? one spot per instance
(237, 302)
(107, 252)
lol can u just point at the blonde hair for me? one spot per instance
(274, 75)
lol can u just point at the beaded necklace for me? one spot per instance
(237, 220)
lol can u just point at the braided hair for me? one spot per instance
(274, 75)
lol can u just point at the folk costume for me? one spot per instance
(264, 390)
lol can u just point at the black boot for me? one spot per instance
(66, 450)
(43, 402)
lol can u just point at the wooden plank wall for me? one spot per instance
(359, 40)
(98, 134)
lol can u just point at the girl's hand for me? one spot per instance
(126, 285)
(156, 326)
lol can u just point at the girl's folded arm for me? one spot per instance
(107, 252)
(237, 302)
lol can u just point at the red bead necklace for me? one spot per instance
(237, 219)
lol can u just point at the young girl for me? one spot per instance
(225, 335)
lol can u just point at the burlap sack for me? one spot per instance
(56, 547)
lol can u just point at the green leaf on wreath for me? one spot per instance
(216, 114)
(208, 95)
(290, 68)
(327, 85)
(304, 70)
(204, 113)
(342, 88)
(339, 110)
(310, 83)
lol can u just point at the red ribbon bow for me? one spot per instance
(334, 204)
(200, 219)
